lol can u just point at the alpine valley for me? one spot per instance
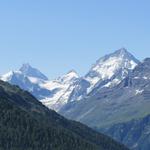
(113, 97)
(26, 124)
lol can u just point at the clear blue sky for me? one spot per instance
(58, 35)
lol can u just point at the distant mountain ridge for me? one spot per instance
(113, 94)
(123, 102)
(122, 111)
(108, 71)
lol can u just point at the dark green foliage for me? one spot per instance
(25, 124)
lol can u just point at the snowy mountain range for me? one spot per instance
(112, 96)
(128, 100)
(121, 111)
(107, 72)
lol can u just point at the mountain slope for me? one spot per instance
(108, 71)
(53, 94)
(135, 133)
(27, 124)
(29, 83)
(126, 101)
(61, 89)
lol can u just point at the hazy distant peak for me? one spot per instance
(28, 70)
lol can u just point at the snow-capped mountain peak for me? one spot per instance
(61, 89)
(113, 67)
(122, 52)
(69, 77)
(28, 70)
